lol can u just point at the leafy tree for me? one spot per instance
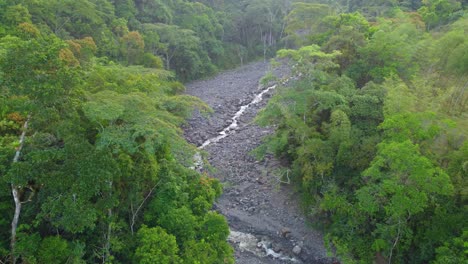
(32, 70)
(16, 14)
(132, 47)
(180, 49)
(68, 18)
(351, 33)
(303, 19)
(203, 21)
(156, 246)
(180, 222)
(214, 228)
(453, 251)
(154, 11)
(389, 51)
(83, 50)
(400, 184)
(56, 250)
(451, 49)
(437, 12)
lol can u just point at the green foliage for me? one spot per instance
(400, 183)
(376, 146)
(203, 252)
(156, 246)
(28, 244)
(180, 222)
(454, 251)
(181, 51)
(110, 133)
(451, 49)
(151, 61)
(303, 19)
(56, 250)
(372, 125)
(346, 33)
(121, 29)
(154, 11)
(214, 228)
(390, 51)
(16, 14)
(132, 47)
(438, 12)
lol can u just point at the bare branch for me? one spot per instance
(134, 214)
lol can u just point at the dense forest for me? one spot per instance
(371, 126)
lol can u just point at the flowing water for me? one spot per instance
(235, 123)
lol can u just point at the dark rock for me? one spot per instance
(277, 248)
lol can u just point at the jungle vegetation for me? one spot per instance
(94, 167)
(373, 127)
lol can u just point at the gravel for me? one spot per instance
(254, 202)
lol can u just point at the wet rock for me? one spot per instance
(267, 243)
(245, 241)
(276, 247)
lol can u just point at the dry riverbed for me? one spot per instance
(267, 225)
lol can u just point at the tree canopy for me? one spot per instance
(373, 126)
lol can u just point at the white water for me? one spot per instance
(235, 123)
(248, 242)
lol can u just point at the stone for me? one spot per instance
(276, 248)
(285, 231)
(297, 250)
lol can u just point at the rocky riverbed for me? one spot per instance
(267, 225)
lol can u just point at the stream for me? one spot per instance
(234, 125)
(267, 225)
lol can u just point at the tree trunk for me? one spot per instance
(239, 54)
(16, 196)
(168, 61)
(14, 222)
